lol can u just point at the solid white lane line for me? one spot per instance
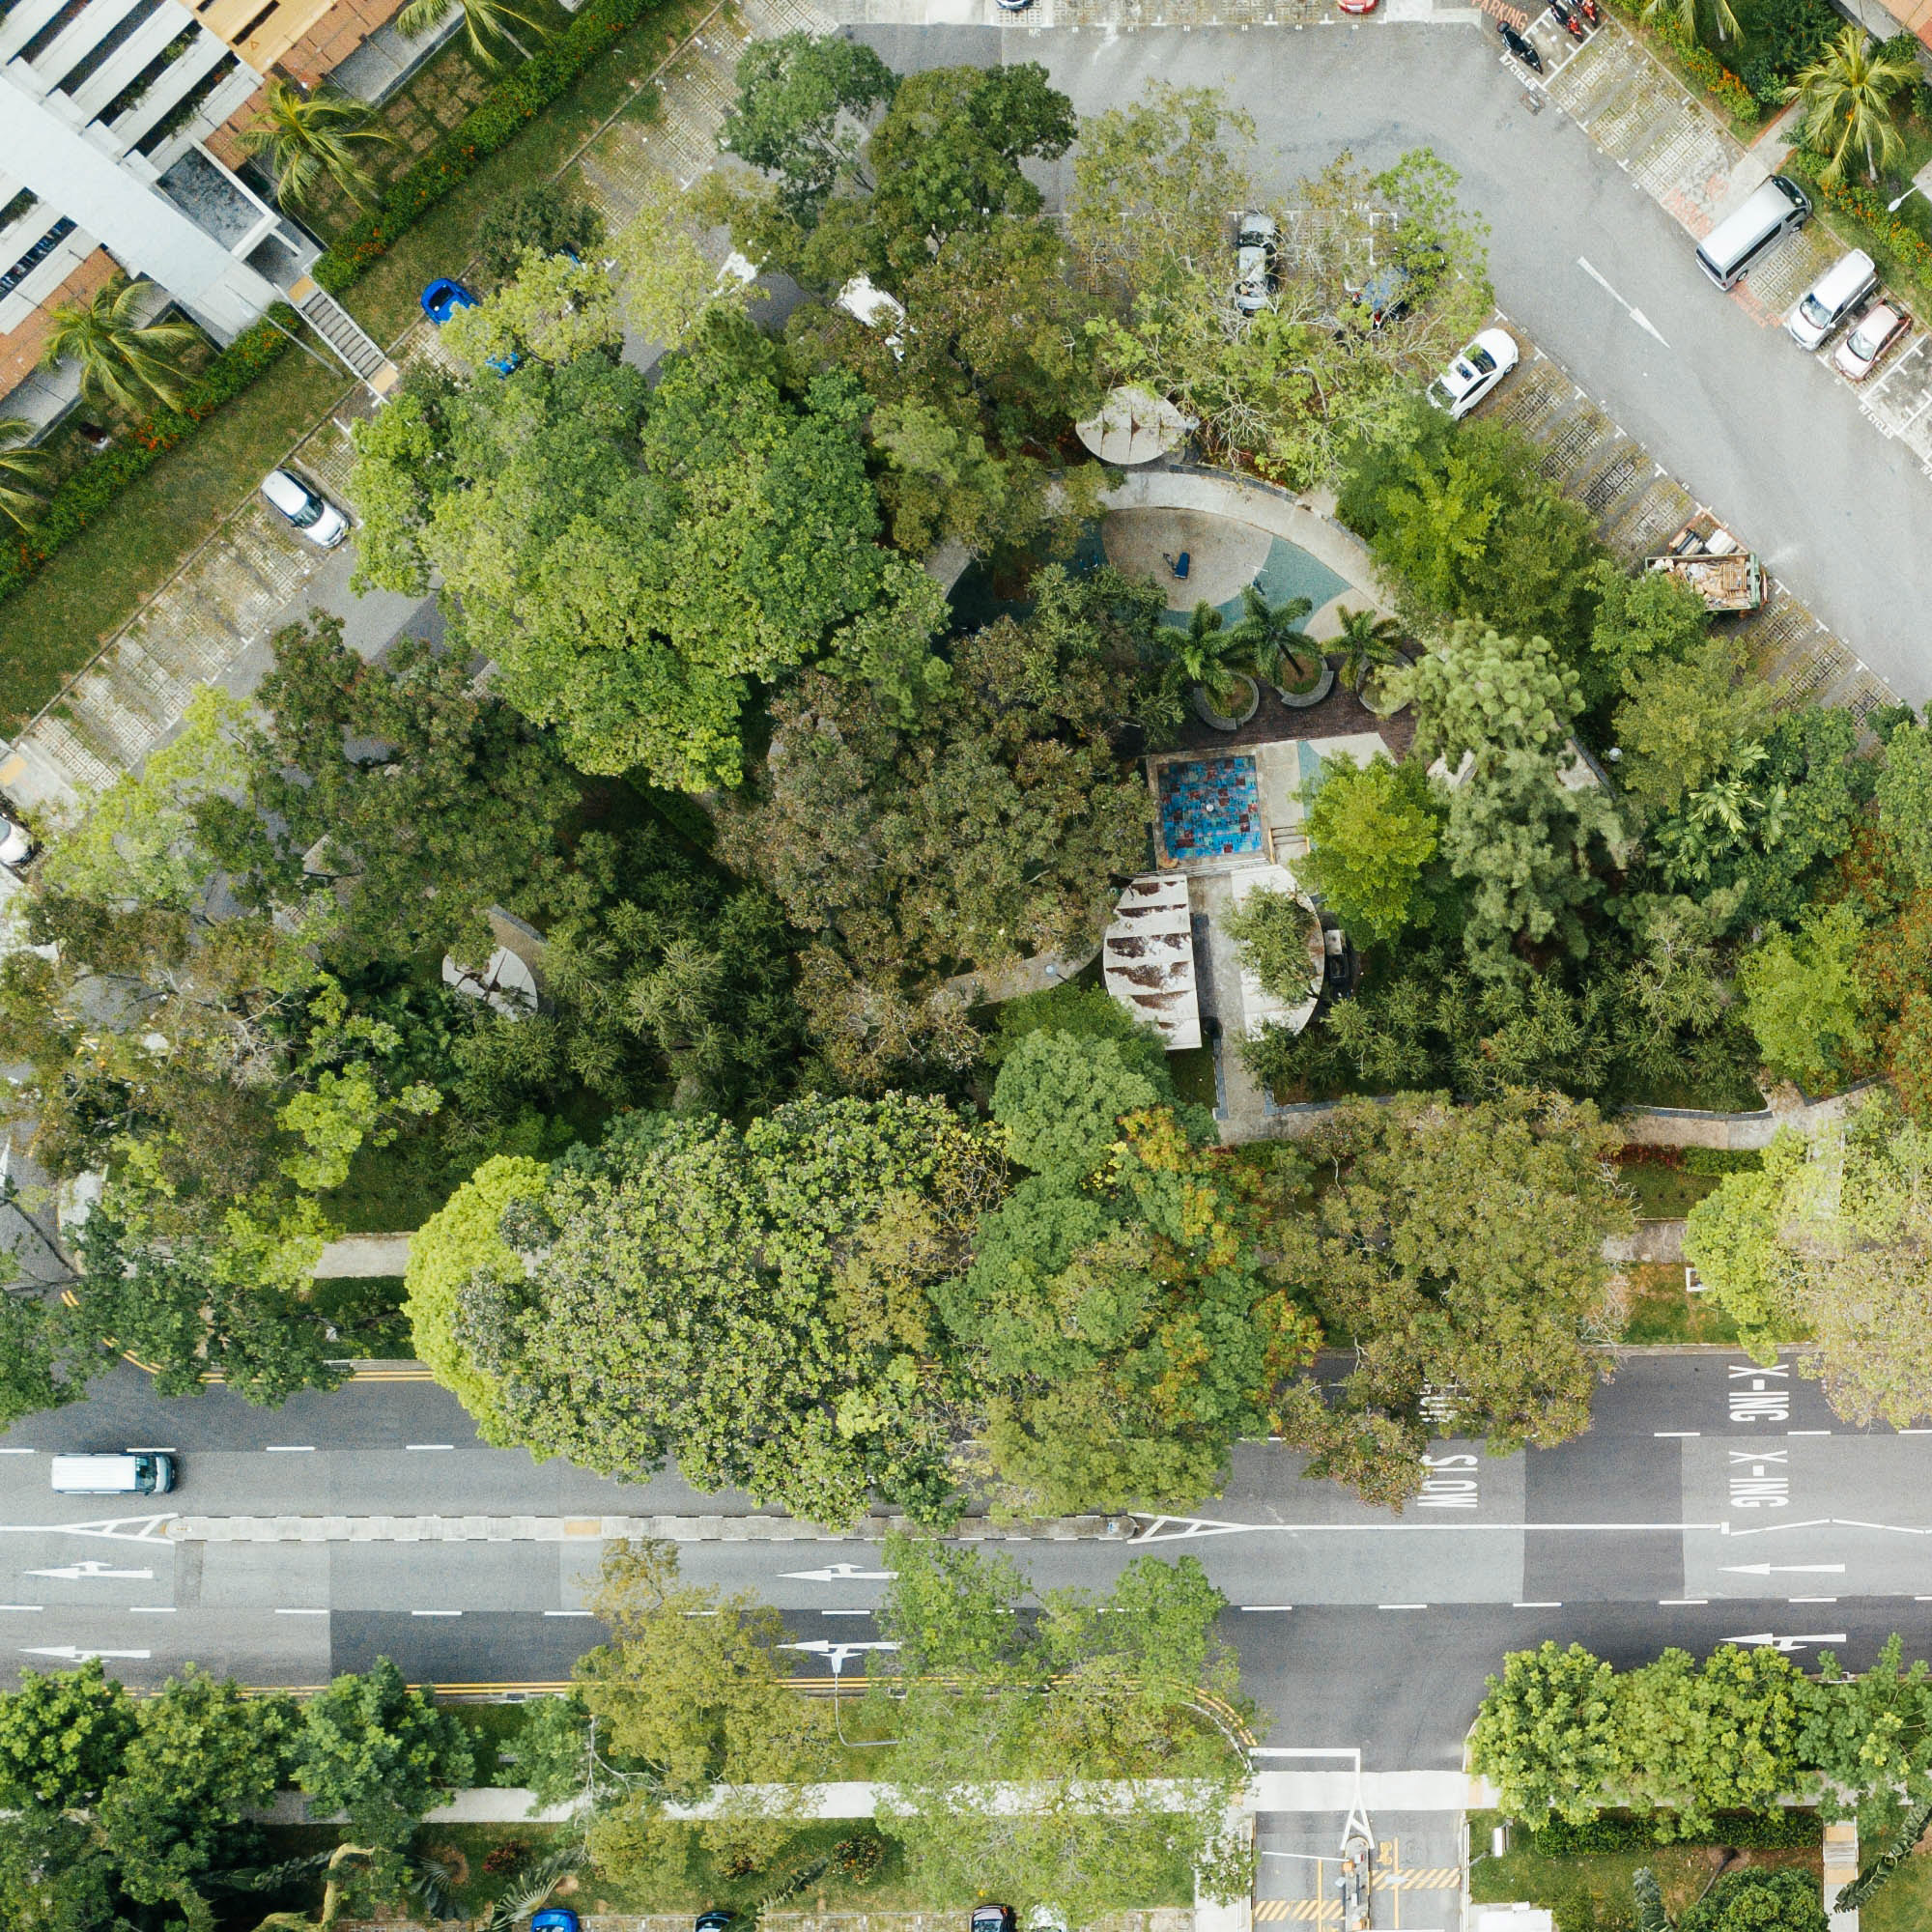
(567, 1613)
(20, 1452)
(151, 1609)
(289, 1449)
(1676, 1432)
(436, 1613)
(1267, 1606)
(1808, 1432)
(33, 1609)
(1402, 1606)
(844, 1613)
(301, 1613)
(1810, 1599)
(1680, 1603)
(1537, 1606)
(429, 1445)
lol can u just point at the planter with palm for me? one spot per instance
(1212, 663)
(124, 362)
(1368, 645)
(1848, 101)
(21, 469)
(1278, 649)
(488, 23)
(307, 139)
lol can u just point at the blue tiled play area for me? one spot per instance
(1210, 808)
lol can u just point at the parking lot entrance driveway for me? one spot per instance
(1417, 1866)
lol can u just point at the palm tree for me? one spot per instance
(1847, 96)
(126, 361)
(1365, 643)
(20, 468)
(1272, 640)
(307, 138)
(1209, 660)
(487, 22)
(1689, 14)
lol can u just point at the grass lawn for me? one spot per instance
(1591, 1892)
(1904, 1904)
(1193, 1073)
(96, 583)
(1665, 1193)
(1661, 1311)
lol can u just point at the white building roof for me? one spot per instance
(1148, 958)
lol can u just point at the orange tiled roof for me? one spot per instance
(20, 347)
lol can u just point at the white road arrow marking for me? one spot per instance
(1783, 1569)
(75, 1573)
(836, 1655)
(1637, 315)
(69, 1653)
(1789, 1643)
(842, 1572)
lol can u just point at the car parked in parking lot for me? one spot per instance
(1256, 237)
(441, 299)
(993, 1919)
(1474, 373)
(1879, 329)
(306, 508)
(555, 1919)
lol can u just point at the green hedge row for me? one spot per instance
(491, 124)
(502, 113)
(1621, 1832)
(1866, 206)
(1698, 62)
(76, 502)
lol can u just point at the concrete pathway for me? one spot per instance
(364, 1254)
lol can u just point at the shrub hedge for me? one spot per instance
(1698, 62)
(495, 121)
(1624, 1832)
(1866, 206)
(76, 502)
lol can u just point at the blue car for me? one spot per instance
(439, 301)
(553, 1918)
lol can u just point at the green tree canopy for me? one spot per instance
(1805, 996)
(1547, 1734)
(1757, 1900)
(1372, 830)
(701, 1292)
(991, 830)
(1455, 1248)
(632, 559)
(803, 103)
(371, 1747)
(62, 1736)
(1061, 1099)
(391, 775)
(1133, 1688)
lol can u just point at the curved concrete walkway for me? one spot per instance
(1194, 493)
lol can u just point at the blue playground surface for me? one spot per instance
(1210, 808)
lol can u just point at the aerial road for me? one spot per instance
(1712, 1498)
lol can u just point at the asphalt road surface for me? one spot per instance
(1710, 1499)
(1750, 424)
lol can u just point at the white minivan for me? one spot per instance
(1831, 298)
(1774, 208)
(139, 1472)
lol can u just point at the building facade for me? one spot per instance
(106, 112)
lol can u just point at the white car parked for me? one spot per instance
(1474, 373)
(1256, 237)
(307, 509)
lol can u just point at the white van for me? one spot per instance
(1774, 210)
(140, 1472)
(1831, 298)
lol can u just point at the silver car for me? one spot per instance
(307, 509)
(1256, 237)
